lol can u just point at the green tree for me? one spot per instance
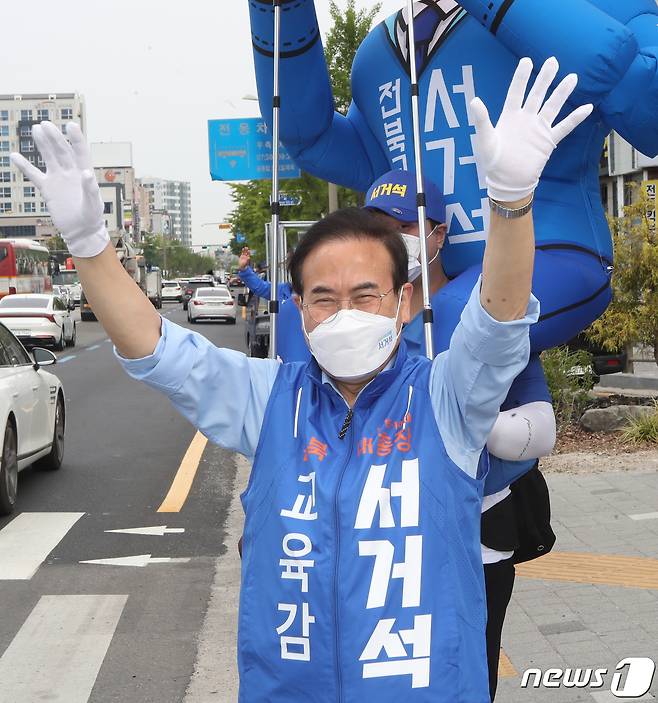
(350, 27)
(174, 257)
(632, 316)
(252, 211)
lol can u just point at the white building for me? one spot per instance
(621, 166)
(113, 166)
(170, 208)
(22, 212)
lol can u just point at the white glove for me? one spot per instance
(514, 152)
(69, 187)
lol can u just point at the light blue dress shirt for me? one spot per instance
(224, 393)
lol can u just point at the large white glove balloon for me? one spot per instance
(69, 187)
(514, 152)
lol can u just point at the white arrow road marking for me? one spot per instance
(137, 560)
(158, 530)
(644, 516)
(28, 539)
(60, 648)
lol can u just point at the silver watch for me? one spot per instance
(510, 213)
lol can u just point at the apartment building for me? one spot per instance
(23, 212)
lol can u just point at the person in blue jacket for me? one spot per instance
(464, 48)
(291, 345)
(257, 285)
(361, 573)
(525, 428)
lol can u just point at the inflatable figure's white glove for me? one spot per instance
(69, 188)
(514, 152)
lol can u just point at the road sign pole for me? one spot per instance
(274, 229)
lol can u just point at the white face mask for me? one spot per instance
(354, 343)
(412, 242)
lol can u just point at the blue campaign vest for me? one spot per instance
(361, 574)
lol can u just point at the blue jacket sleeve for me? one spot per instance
(470, 381)
(319, 139)
(223, 393)
(255, 283)
(611, 45)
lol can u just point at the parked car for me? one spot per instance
(38, 319)
(257, 330)
(171, 290)
(32, 415)
(214, 303)
(191, 286)
(603, 361)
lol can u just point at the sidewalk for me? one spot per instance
(590, 603)
(594, 600)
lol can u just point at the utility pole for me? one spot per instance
(333, 197)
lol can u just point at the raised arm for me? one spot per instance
(513, 155)
(631, 107)
(320, 140)
(616, 58)
(75, 205)
(249, 277)
(490, 345)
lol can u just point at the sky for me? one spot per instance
(152, 72)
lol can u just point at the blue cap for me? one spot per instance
(395, 194)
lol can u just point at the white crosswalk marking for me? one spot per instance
(28, 539)
(58, 652)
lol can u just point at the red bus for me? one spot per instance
(24, 267)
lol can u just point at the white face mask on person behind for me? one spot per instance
(412, 242)
(353, 344)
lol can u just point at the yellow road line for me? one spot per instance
(506, 669)
(182, 483)
(581, 567)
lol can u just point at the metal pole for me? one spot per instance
(274, 229)
(333, 197)
(428, 318)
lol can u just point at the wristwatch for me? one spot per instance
(510, 213)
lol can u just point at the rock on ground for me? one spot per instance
(613, 418)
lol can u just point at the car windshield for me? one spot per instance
(212, 293)
(67, 278)
(169, 284)
(196, 284)
(10, 301)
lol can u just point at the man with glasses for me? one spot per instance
(361, 577)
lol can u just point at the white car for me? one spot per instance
(38, 319)
(32, 415)
(171, 290)
(215, 303)
(75, 290)
(64, 293)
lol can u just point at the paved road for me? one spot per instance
(93, 632)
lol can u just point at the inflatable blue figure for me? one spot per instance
(462, 50)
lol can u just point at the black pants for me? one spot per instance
(499, 581)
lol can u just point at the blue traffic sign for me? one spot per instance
(241, 150)
(240, 238)
(289, 199)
